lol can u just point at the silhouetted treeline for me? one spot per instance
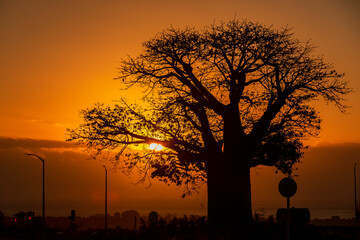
(130, 225)
(129, 219)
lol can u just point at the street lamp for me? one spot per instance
(356, 211)
(105, 198)
(43, 176)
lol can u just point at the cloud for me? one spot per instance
(29, 143)
(73, 181)
(56, 124)
(325, 178)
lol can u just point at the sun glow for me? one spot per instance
(156, 146)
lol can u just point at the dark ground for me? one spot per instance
(335, 229)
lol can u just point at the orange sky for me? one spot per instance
(58, 57)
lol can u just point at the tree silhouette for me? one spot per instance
(153, 218)
(2, 217)
(221, 100)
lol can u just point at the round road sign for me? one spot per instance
(287, 187)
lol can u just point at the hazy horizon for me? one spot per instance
(75, 181)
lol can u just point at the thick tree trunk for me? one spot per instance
(228, 176)
(229, 199)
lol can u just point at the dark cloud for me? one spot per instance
(325, 178)
(11, 143)
(73, 181)
(334, 152)
(327, 173)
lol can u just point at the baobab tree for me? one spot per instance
(220, 100)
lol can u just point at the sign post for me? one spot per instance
(356, 210)
(287, 188)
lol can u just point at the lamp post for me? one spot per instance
(105, 198)
(43, 187)
(356, 211)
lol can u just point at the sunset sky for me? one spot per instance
(58, 57)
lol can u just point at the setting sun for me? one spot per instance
(156, 146)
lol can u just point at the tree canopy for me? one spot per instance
(207, 90)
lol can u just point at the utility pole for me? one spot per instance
(105, 198)
(356, 210)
